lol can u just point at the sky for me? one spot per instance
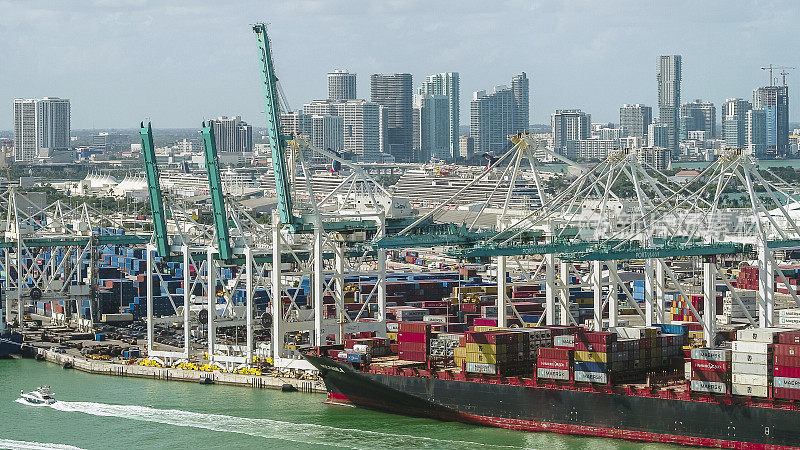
(179, 62)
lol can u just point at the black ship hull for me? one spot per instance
(687, 422)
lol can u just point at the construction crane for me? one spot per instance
(216, 191)
(154, 190)
(783, 72)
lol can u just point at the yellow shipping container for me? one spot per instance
(460, 352)
(486, 328)
(482, 358)
(489, 349)
(591, 356)
(459, 360)
(392, 336)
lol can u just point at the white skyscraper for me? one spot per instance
(669, 97)
(41, 127)
(341, 85)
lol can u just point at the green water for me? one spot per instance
(101, 412)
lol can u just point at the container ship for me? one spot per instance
(633, 382)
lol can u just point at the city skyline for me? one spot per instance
(595, 71)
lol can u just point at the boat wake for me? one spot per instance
(27, 445)
(271, 429)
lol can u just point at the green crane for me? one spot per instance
(154, 190)
(277, 140)
(217, 195)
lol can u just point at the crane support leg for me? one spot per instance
(613, 294)
(766, 287)
(710, 303)
(501, 291)
(597, 287)
(550, 288)
(318, 287)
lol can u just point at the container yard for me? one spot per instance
(660, 312)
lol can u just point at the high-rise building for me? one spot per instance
(295, 123)
(232, 134)
(669, 97)
(396, 94)
(658, 135)
(774, 100)
(361, 125)
(734, 122)
(520, 87)
(466, 147)
(756, 129)
(41, 127)
(698, 116)
(327, 132)
(569, 125)
(359, 121)
(495, 116)
(100, 142)
(657, 157)
(434, 127)
(341, 85)
(590, 149)
(446, 84)
(634, 119)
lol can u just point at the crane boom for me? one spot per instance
(154, 190)
(277, 141)
(216, 192)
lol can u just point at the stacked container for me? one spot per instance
(504, 353)
(786, 369)
(752, 361)
(554, 364)
(413, 340)
(711, 370)
(595, 352)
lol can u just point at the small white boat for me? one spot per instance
(41, 396)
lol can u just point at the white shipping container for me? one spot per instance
(566, 340)
(789, 313)
(392, 327)
(749, 390)
(754, 369)
(715, 387)
(555, 374)
(751, 358)
(788, 321)
(768, 335)
(751, 347)
(435, 318)
(786, 382)
(708, 354)
(746, 378)
(591, 377)
(481, 368)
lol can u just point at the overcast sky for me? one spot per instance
(121, 61)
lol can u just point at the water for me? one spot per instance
(101, 412)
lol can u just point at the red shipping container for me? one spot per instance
(524, 294)
(708, 375)
(787, 393)
(710, 366)
(415, 327)
(483, 322)
(561, 364)
(469, 307)
(599, 337)
(786, 360)
(583, 346)
(412, 337)
(435, 304)
(526, 287)
(413, 347)
(789, 337)
(555, 353)
(790, 350)
(787, 371)
(413, 356)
